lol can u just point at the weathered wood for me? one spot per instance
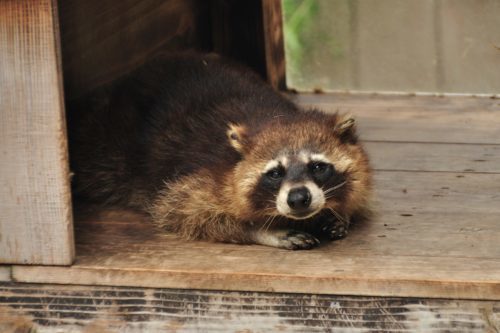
(102, 40)
(274, 43)
(5, 273)
(75, 309)
(434, 157)
(35, 206)
(439, 193)
(417, 119)
(436, 235)
(93, 35)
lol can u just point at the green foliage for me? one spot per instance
(299, 18)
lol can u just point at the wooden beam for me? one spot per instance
(274, 42)
(5, 273)
(35, 206)
(78, 309)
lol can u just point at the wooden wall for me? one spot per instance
(406, 46)
(102, 40)
(35, 208)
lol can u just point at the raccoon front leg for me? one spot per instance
(285, 238)
(334, 226)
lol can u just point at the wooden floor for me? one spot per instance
(436, 233)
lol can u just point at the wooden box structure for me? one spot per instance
(96, 48)
(430, 259)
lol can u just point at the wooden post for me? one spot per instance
(274, 43)
(35, 202)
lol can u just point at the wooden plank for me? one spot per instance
(274, 43)
(77, 309)
(438, 193)
(102, 40)
(434, 157)
(35, 210)
(417, 119)
(436, 235)
(5, 273)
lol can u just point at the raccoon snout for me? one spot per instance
(299, 198)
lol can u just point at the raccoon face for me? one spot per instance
(298, 185)
(298, 169)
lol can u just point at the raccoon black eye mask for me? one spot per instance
(212, 152)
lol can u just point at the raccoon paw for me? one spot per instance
(335, 229)
(286, 239)
(297, 240)
(335, 232)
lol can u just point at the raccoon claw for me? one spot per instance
(296, 240)
(337, 232)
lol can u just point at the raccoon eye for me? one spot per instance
(319, 167)
(321, 171)
(275, 174)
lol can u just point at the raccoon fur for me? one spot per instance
(212, 152)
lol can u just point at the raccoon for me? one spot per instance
(212, 152)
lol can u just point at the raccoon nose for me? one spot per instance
(299, 198)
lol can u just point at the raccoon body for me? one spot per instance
(212, 152)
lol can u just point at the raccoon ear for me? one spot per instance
(345, 129)
(237, 135)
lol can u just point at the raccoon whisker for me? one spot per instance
(269, 214)
(329, 195)
(336, 187)
(263, 224)
(333, 188)
(269, 209)
(271, 222)
(337, 215)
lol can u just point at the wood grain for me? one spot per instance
(35, 205)
(438, 193)
(438, 157)
(78, 309)
(5, 273)
(435, 235)
(102, 40)
(274, 43)
(455, 119)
